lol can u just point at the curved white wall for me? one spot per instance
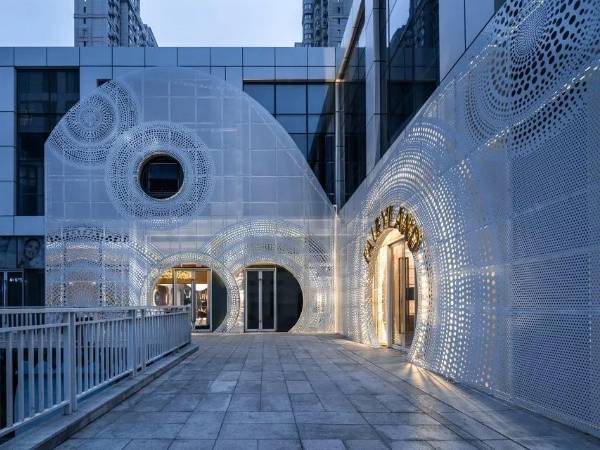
(501, 168)
(248, 195)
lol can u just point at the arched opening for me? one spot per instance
(395, 291)
(195, 285)
(273, 298)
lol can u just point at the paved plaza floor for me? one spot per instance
(284, 391)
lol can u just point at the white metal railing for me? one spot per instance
(52, 357)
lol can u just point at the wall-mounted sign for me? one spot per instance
(404, 222)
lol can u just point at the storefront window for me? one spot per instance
(43, 97)
(354, 102)
(306, 111)
(21, 271)
(411, 55)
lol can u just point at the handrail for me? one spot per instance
(53, 357)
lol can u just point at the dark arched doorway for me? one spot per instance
(273, 298)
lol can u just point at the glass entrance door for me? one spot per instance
(11, 288)
(192, 287)
(404, 298)
(261, 309)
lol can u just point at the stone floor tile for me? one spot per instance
(93, 444)
(452, 445)
(327, 431)
(214, 402)
(410, 445)
(367, 403)
(141, 430)
(148, 444)
(471, 426)
(299, 387)
(503, 444)
(236, 444)
(363, 444)
(294, 375)
(259, 417)
(279, 444)
(417, 432)
(323, 444)
(220, 387)
(154, 417)
(248, 387)
(154, 402)
(275, 402)
(397, 403)
(244, 402)
(99, 424)
(202, 417)
(228, 375)
(335, 402)
(258, 431)
(273, 387)
(185, 402)
(333, 418)
(306, 402)
(192, 444)
(250, 375)
(273, 375)
(194, 430)
(399, 419)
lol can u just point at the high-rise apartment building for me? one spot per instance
(111, 23)
(323, 22)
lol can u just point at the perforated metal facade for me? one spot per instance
(248, 195)
(501, 169)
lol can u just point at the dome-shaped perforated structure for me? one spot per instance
(108, 239)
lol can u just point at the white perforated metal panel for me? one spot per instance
(501, 170)
(248, 196)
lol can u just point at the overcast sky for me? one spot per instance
(174, 22)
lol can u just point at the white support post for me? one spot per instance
(70, 369)
(132, 349)
(143, 340)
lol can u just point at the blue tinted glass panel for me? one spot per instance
(263, 94)
(293, 123)
(321, 98)
(291, 99)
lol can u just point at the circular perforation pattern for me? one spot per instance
(88, 131)
(125, 162)
(548, 41)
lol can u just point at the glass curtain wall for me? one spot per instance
(307, 112)
(354, 104)
(411, 68)
(43, 97)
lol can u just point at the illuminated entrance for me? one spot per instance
(395, 292)
(197, 286)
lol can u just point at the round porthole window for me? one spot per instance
(161, 176)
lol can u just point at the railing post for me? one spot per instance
(132, 349)
(143, 340)
(69, 365)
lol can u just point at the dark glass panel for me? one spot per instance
(161, 176)
(34, 287)
(219, 300)
(354, 101)
(293, 123)
(290, 99)
(43, 96)
(268, 300)
(263, 94)
(321, 98)
(252, 299)
(289, 300)
(14, 289)
(411, 71)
